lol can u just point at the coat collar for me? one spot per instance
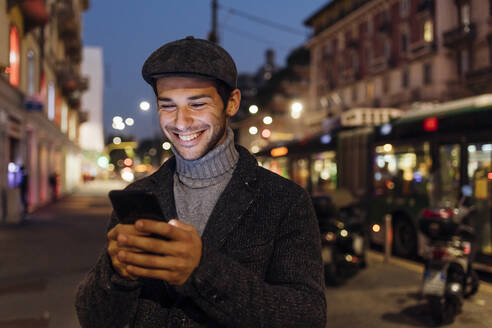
(233, 202)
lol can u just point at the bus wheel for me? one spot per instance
(404, 237)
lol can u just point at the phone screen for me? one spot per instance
(131, 205)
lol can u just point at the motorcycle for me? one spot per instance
(448, 276)
(343, 246)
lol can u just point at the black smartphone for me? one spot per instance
(131, 205)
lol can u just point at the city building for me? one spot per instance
(40, 101)
(400, 54)
(91, 134)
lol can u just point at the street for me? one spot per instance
(42, 260)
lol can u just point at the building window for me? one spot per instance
(387, 48)
(465, 14)
(428, 31)
(51, 101)
(14, 57)
(30, 73)
(405, 79)
(464, 63)
(370, 90)
(64, 118)
(427, 73)
(370, 26)
(404, 42)
(385, 83)
(354, 94)
(403, 8)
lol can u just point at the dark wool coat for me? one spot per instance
(261, 263)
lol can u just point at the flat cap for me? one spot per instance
(191, 56)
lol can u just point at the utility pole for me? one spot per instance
(212, 36)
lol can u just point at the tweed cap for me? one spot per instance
(191, 56)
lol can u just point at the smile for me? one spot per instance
(189, 137)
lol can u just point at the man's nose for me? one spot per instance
(183, 118)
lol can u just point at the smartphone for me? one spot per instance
(131, 205)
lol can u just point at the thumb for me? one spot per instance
(181, 225)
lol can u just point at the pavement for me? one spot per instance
(43, 260)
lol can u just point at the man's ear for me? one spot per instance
(233, 103)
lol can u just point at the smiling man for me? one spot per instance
(242, 246)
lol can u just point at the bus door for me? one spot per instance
(479, 171)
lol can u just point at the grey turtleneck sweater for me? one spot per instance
(199, 183)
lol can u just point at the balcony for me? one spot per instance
(33, 11)
(480, 81)
(460, 35)
(68, 23)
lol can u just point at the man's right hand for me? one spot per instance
(114, 248)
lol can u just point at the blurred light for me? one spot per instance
(325, 139)
(388, 147)
(144, 105)
(325, 174)
(430, 124)
(344, 233)
(12, 167)
(166, 145)
(117, 119)
(376, 228)
(103, 162)
(417, 176)
(489, 175)
(297, 107)
(141, 168)
(253, 109)
(386, 129)
(279, 151)
(348, 258)
(128, 161)
(253, 130)
(330, 236)
(111, 167)
(129, 121)
(152, 151)
(118, 125)
(487, 147)
(472, 148)
(378, 176)
(266, 133)
(116, 140)
(267, 120)
(255, 149)
(127, 174)
(120, 163)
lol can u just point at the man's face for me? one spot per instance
(192, 114)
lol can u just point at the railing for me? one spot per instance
(459, 35)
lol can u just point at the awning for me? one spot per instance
(451, 108)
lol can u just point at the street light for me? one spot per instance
(166, 145)
(144, 105)
(253, 109)
(296, 110)
(267, 120)
(116, 140)
(129, 121)
(253, 130)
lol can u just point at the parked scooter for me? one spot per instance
(342, 236)
(448, 276)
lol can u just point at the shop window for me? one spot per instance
(14, 57)
(300, 172)
(370, 90)
(51, 101)
(449, 159)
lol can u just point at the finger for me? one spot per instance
(152, 261)
(162, 229)
(152, 273)
(123, 228)
(157, 246)
(182, 225)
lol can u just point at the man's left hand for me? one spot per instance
(172, 260)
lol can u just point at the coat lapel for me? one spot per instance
(236, 198)
(162, 185)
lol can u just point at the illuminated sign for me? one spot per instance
(279, 151)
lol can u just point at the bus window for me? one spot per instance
(277, 165)
(402, 170)
(323, 172)
(480, 176)
(449, 159)
(301, 172)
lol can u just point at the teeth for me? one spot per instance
(189, 137)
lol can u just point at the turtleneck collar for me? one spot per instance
(215, 163)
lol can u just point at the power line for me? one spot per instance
(264, 21)
(252, 36)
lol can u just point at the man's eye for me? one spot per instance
(165, 106)
(197, 105)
